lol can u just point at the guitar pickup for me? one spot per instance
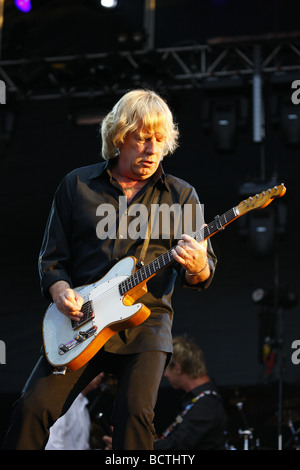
(88, 314)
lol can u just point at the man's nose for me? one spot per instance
(151, 148)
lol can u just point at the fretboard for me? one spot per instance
(166, 258)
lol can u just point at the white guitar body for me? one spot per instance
(112, 312)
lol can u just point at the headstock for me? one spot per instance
(261, 200)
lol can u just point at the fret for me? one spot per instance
(226, 217)
(156, 263)
(145, 272)
(148, 271)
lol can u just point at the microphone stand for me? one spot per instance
(246, 433)
(278, 312)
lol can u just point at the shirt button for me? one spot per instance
(121, 236)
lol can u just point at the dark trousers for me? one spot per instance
(47, 396)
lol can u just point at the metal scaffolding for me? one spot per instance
(174, 68)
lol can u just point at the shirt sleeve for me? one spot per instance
(55, 253)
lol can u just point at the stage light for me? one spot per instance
(224, 110)
(258, 295)
(285, 114)
(23, 5)
(290, 122)
(262, 228)
(109, 3)
(285, 297)
(262, 232)
(224, 124)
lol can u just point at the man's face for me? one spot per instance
(140, 154)
(173, 374)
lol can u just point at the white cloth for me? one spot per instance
(72, 430)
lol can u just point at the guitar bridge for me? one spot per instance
(88, 313)
(78, 339)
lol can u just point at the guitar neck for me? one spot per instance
(166, 258)
(219, 223)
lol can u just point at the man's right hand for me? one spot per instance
(108, 442)
(67, 300)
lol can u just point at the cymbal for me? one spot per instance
(247, 400)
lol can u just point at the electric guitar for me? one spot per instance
(110, 303)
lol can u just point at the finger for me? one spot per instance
(72, 308)
(187, 238)
(79, 299)
(188, 243)
(192, 243)
(67, 305)
(73, 317)
(72, 300)
(177, 257)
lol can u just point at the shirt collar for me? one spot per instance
(158, 177)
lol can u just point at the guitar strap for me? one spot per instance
(180, 416)
(144, 249)
(140, 262)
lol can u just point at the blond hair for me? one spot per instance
(138, 108)
(189, 356)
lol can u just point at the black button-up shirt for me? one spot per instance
(88, 231)
(203, 425)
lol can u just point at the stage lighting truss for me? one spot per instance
(174, 68)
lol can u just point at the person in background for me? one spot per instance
(202, 420)
(72, 431)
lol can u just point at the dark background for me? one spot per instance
(40, 141)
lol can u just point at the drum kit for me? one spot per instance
(254, 424)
